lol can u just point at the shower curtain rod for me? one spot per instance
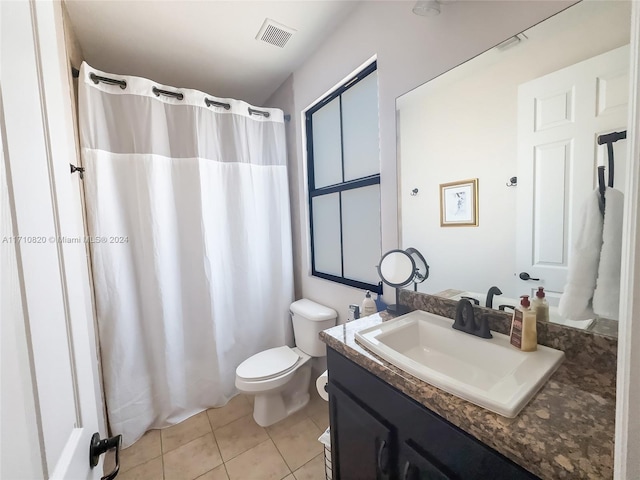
(157, 91)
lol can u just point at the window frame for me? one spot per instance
(339, 187)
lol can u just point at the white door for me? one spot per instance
(560, 117)
(57, 324)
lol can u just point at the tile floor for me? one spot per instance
(227, 444)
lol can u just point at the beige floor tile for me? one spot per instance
(319, 413)
(299, 444)
(250, 398)
(262, 462)
(313, 470)
(239, 436)
(146, 448)
(284, 425)
(192, 460)
(289, 477)
(182, 433)
(218, 473)
(151, 470)
(236, 408)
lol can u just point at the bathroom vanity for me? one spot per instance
(388, 424)
(377, 432)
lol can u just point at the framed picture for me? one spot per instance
(459, 204)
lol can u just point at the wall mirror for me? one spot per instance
(532, 108)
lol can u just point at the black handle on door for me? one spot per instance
(526, 276)
(98, 447)
(382, 464)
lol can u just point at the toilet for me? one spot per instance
(279, 377)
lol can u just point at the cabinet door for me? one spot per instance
(360, 443)
(416, 464)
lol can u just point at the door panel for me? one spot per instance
(417, 465)
(560, 116)
(52, 265)
(360, 443)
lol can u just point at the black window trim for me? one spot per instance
(336, 188)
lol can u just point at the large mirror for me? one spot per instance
(531, 108)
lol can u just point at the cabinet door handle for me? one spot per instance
(406, 471)
(382, 467)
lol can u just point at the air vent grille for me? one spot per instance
(275, 33)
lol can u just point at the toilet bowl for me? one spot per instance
(280, 377)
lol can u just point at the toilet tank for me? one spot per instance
(309, 319)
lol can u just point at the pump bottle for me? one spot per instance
(368, 305)
(540, 306)
(523, 327)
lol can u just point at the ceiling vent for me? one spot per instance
(275, 33)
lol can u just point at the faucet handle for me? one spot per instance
(475, 301)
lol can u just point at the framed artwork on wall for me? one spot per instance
(459, 203)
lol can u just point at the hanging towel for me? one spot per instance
(575, 302)
(606, 297)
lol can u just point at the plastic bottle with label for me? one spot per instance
(524, 334)
(540, 306)
(368, 305)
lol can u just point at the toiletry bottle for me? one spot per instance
(540, 306)
(523, 327)
(368, 305)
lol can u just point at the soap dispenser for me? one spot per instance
(540, 306)
(523, 327)
(368, 305)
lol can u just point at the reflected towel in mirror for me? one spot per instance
(606, 297)
(575, 302)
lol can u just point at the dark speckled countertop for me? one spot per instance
(566, 430)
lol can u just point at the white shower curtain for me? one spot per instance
(188, 215)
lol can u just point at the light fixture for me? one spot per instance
(427, 8)
(398, 268)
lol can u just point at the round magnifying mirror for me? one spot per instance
(422, 267)
(396, 268)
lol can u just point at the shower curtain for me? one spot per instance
(189, 223)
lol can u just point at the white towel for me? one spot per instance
(575, 302)
(606, 298)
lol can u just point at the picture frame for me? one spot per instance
(459, 203)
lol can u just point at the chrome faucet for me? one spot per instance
(354, 311)
(492, 291)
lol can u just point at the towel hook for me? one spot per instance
(513, 182)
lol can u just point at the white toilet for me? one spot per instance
(279, 377)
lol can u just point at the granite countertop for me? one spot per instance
(565, 431)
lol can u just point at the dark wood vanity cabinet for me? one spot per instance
(379, 433)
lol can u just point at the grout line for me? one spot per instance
(224, 464)
(305, 464)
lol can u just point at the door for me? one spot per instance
(560, 116)
(360, 443)
(59, 360)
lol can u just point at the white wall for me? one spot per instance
(410, 50)
(464, 125)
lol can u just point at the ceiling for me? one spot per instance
(205, 45)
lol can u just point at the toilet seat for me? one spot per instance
(268, 364)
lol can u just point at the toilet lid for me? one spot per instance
(268, 363)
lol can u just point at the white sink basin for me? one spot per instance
(488, 372)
